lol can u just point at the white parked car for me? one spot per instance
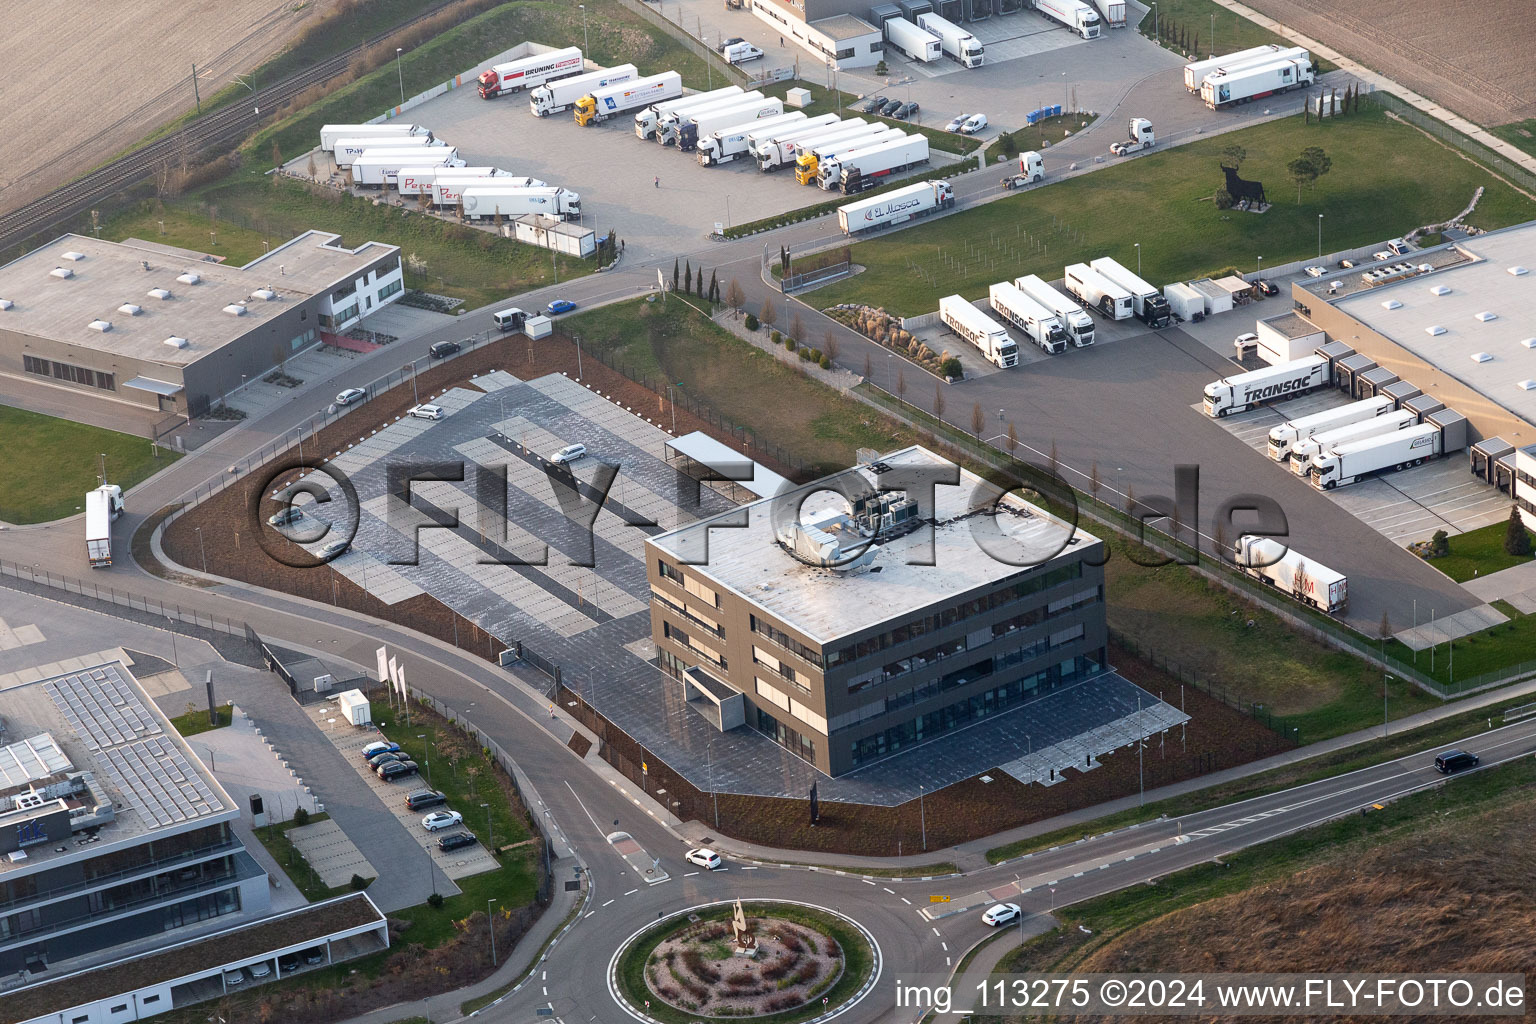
(973, 124)
(441, 819)
(570, 453)
(1000, 914)
(1246, 342)
(709, 860)
(956, 122)
(350, 395)
(260, 969)
(234, 976)
(428, 411)
(1316, 271)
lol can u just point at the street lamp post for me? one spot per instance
(1261, 265)
(922, 816)
(490, 832)
(1138, 259)
(1319, 236)
(1156, 24)
(585, 49)
(400, 73)
(709, 756)
(490, 924)
(423, 736)
(727, 209)
(200, 549)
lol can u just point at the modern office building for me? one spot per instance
(171, 330)
(891, 605)
(111, 829)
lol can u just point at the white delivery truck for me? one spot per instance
(416, 181)
(348, 150)
(808, 162)
(1098, 292)
(669, 123)
(1074, 14)
(1079, 324)
(761, 142)
(726, 144)
(959, 44)
(1349, 433)
(1287, 570)
(378, 170)
(980, 330)
(740, 53)
(786, 146)
(489, 199)
(601, 104)
(1245, 390)
(1346, 463)
(102, 506)
(448, 186)
(1147, 303)
(649, 119)
(896, 207)
(555, 97)
(716, 118)
(873, 165)
(1039, 324)
(914, 42)
(528, 72)
(333, 133)
(1223, 88)
(1195, 71)
(1288, 434)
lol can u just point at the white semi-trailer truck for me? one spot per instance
(1039, 324)
(1287, 435)
(102, 506)
(1079, 324)
(1287, 570)
(528, 72)
(1195, 71)
(868, 168)
(554, 97)
(415, 181)
(348, 150)
(761, 142)
(1113, 11)
(715, 118)
(668, 124)
(378, 170)
(489, 199)
(808, 162)
(1224, 88)
(1349, 433)
(1342, 464)
(980, 330)
(1283, 380)
(448, 189)
(914, 42)
(896, 207)
(783, 148)
(959, 44)
(333, 133)
(1098, 292)
(601, 104)
(1147, 303)
(1074, 14)
(649, 119)
(726, 144)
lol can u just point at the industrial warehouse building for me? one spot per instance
(896, 610)
(1453, 326)
(173, 331)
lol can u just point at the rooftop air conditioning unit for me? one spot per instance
(175, 342)
(190, 277)
(158, 293)
(61, 272)
(74, 257)
(235, 309)
(100, 325)
(130, 309)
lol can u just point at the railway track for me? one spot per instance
(223, 125)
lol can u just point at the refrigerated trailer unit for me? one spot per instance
(989, 336)
(448, 189)
(554, 97)
(415, 181)
(1113, 11)
(912, 41)
(1388, 422)
(1039, 324)
(668, 124)
(615, 100)
(376, 170)
(956, 42)
(896, 207)
(1224, 88)
(1074, 14)
(648, 120)
(1078, 324)
(332, 133)
(1287, 570)
(1097, 292)
(808, 161)
(1147, 303)
(1342, 464)
(786, 146)
(726, 144)
(761, 141)
(1195, 72)
(869, 167)
(1245, 390)
(489, 199)
(1284, 437)
(528, 72)
(348, 150)
(716, 118)
(102, 506)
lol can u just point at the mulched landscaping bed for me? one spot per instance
(1218, 737)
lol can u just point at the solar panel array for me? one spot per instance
(28, 760)
(102, 708)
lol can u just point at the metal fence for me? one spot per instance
(1188, 676)
(729, 73)
(1521, 177)
(121, 598)
(821, 275)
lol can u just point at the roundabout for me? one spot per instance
(775, 961)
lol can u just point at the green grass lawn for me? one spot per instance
(786, 409)
(1194, 17)
(195, 720)
(300, 875)
(189, 227)
(1477, 553)
(50, 463)
(1386, 179)
(1521, 134)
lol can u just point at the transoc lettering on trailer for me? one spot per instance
(1276, 390)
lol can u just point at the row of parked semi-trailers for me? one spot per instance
(1251, 74)
(1390, 425)
(914, 29)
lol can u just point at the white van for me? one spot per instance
(510, 319)
(740, 53)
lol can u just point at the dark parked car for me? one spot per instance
(385, 757)
(729, 42)
(873, 104)
(396, 770)
(906, 111)
(443, 348)
(457, 841)
(288, 963)
(1268, 287)
(424, 798)
(1455, 761)
(891, 106)
(314, 955)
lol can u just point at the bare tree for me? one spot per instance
(1130, 499)
(1093, 478)
(1054, 464)
(1219, 540)
(277, 155)
(314, 172)
(978, 419)
(901, 386)
(1013, 439)
(797, 328)
(1385, 629)
(938, 399)
(734, 296)
(869, 366)
(769, 316)
(829, 346)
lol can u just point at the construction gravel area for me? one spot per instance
(1474, 58)
(85, 81)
